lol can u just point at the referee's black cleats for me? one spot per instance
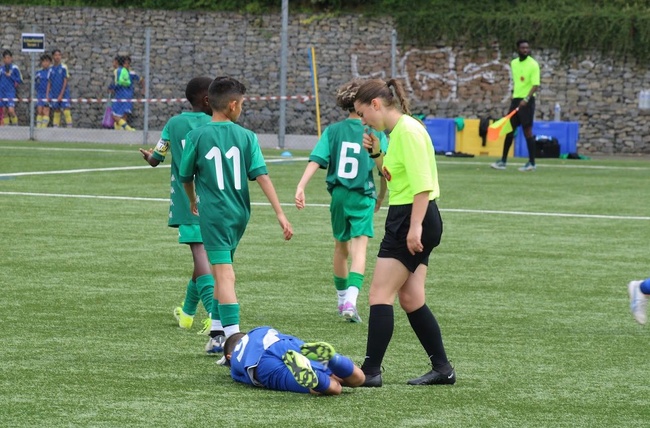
(434, 378)
(372, 381)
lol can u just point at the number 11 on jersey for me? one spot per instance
(232, 154)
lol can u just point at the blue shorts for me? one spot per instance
(10, 103)
(58, 105)
(121, 108)
(273, 374)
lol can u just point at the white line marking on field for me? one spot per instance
(542, 214)
(118, 168)
(63, 195)
(452, 210)
(549, 165)
(129, 152)
(78, 171)
(68, 149)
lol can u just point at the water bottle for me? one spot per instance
(642, 100)
(557, 111)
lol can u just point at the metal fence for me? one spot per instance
(90, 98)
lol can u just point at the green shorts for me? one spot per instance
(351, 214)
(189, 234)
(220, 257)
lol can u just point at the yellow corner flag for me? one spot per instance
(501, 127)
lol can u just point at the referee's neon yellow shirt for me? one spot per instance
(525, 75)
(410, 163)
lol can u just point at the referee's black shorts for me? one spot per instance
(398, 221)
(525, 115)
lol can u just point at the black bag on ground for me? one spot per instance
(546, 147)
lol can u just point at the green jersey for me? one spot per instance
(348, 164)
(525, 75)
(222, 157)
(410, 163)
(172, 141)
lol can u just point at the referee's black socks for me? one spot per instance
(426, 328)
(380, 332)
(531, 145)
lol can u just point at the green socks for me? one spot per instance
(191, 299)
(205, 289)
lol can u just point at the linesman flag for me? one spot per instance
(501, 127)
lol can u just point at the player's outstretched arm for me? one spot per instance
(146, 154)
(267, 187)
(311, 169)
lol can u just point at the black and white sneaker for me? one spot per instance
(434, 378)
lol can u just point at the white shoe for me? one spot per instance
(349, 312)
(638, 302)
(498, 165)
(215, 344)
(528, 167)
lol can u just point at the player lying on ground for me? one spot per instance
(266, 358)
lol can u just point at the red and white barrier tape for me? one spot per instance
(301, 98)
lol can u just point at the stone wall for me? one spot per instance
(444, 81)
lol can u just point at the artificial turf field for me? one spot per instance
(528, 284)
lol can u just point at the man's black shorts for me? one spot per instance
(398, 221)
(524, 116)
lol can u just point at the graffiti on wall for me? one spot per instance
(444, 74)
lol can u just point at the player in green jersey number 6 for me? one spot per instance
(172, 141)
(221, 157)
(354, 196)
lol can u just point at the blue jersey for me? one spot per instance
(123, 88)
(135, 78)
(257, 361)
(58, 77)
(10, 77)
(41, 83)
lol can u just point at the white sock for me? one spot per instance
(351, 295)
(341, 294)
(216, 325)
(231, 329)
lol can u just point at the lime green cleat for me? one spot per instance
(184, 321)
(318, 351)
(205, 328)
(301, 369)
